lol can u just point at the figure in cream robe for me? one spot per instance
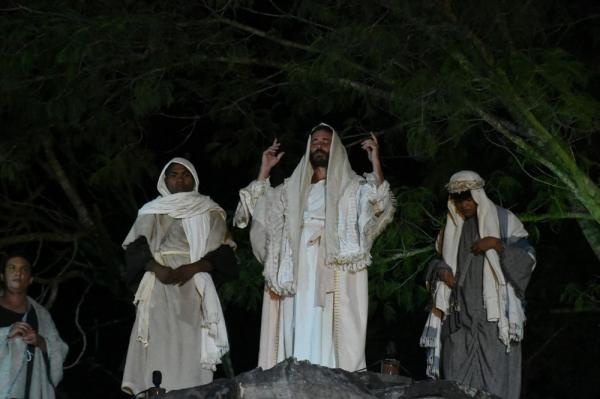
(314, 242)
(178, 330)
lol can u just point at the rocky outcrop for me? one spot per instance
(301, 380)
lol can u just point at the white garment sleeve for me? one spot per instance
(263, 205)
(376, 207)
(248, 198)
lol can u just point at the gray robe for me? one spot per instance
(47, 369)
(472, 353)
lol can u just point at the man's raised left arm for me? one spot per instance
(371, 145)
(376, 205)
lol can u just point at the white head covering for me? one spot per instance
(463, 181)
(467, 180)
(183, 204)
(161, 186)
(339, 177)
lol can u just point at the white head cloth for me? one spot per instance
(193, 208)
(500, 300)
(463, 181)
(180, 205)
(339, 177)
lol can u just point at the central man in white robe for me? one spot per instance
(313, 234)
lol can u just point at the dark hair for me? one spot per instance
(462, 196)
(15, 253)
(321, 126)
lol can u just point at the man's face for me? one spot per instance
(320, 143)
(179, 179)
(17, 274)
(465, 204)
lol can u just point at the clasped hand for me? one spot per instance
(479, 247)
(485, 244)
(25, 331)
(181, 275)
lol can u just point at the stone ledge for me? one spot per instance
(292, 379)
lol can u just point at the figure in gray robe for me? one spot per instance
(480, 343)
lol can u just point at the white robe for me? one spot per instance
(334, 334)
(312, 324)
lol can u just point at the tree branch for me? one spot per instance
(408, 254)
(59, 174)
(264, 35)
(289, 43)
(555, 216)
(34, 237)
(80, 329)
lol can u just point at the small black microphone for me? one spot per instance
(157, 378)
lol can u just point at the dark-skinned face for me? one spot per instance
(179, 179)
(17, 274)
(465, 204)
(320, 143)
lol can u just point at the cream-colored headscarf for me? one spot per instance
(339, 177)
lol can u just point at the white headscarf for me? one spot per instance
(179, 205)
(297, 187)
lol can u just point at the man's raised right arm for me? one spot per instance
(270, 157)
(257, 188)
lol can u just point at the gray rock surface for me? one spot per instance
(301, 380)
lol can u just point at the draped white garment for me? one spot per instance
(365, 209)
(312, 324)
(179, 330)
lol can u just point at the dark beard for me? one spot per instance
(319, 159)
